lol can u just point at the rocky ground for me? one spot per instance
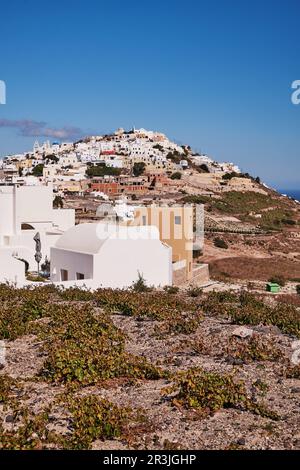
(165, 425)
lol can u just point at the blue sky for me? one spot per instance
(215, 75)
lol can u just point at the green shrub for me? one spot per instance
(194, 291)
(220, 243)
(247, 309)
(171, 290)
(289, 222)
(138, 168)
(38, 170)
(84, 347)
(255, 348)
(210, 392)
(278, 279)
(176, 176)
(15, 317)
(197, 253)
(140, 285)
(31, 434)
(102, 170)
(5, 388)
(58, 202)
(195, 199)
(293, 372)
(94, 418)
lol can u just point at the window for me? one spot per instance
(144, 220)
(64, 275)
(177, 220)
(25, 226)
(79, 276)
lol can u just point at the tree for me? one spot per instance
(158, 147)
(197, 253)
(46, 266)
(176, 176)
(175, 157)
(102, 170)
(204, 167)
(220, 243)
(52, 158)
(58, 202)
(278, 279)
(140, 285)
(138, 168)
(38, 170)
(229, 176)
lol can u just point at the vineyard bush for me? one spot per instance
(210, 392)
(247, 309)
(256, 348)
(94, 418)
(5, 387)
(86, 347)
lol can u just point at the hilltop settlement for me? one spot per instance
(149, 299)
(59, 192)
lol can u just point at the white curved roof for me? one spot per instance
(89, 238)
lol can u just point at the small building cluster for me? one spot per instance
(73, 167)
(154, 242)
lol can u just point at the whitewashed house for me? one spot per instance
(24, 211)
(12, 270)
(109, 255)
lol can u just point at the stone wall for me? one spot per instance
(200, 276)
(179, 277)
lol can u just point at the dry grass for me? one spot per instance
(254, 268)
(290, 299)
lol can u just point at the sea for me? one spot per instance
(293, 193)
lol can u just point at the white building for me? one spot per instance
(113, 161)
(109, 255)
(51, 171)
(68, 160)
(24, 211)
(12, 270)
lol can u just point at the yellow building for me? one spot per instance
(175, 226)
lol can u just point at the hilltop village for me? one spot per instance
(151, 185)
(42, 190)
(149, 300)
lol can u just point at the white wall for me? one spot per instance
(6, 212)
(72, 262)
(33, 204)
(64, 218)
(120, 261)
(24, 245)
(117, 264)
(12, 270)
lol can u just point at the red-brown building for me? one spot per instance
(157, 180)
(116, 185)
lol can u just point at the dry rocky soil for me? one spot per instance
(166, 424)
